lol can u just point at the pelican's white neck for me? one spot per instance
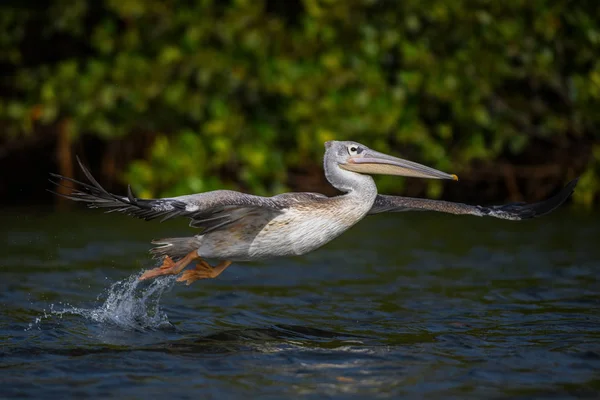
(352, 183)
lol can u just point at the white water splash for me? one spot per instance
(129, 304)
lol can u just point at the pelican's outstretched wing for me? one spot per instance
(513, 211)
(210, 210)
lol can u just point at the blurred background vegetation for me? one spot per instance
(187, 96)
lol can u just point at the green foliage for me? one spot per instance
(251, 88)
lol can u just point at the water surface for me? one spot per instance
(419, 305)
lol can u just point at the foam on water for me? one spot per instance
(129, 304)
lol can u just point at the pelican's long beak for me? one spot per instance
(373, 162)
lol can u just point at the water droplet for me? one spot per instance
(129, 304)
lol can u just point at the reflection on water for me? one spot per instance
(417, 305)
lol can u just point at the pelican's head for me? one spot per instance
(356, 157)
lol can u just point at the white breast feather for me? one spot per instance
(295, 231)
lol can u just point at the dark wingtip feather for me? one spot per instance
(526, 211)
(93, 180)
(551, 204)
(92, 193)
(56, 193)
(95, 196)
(130, 195)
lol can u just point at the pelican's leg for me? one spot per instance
(203, 271)
(169, 267)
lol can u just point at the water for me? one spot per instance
(415, 305)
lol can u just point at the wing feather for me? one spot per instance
(209, 211)
(512, 211)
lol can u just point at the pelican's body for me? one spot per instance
(302, 222)
(242, 227)
(306, 225)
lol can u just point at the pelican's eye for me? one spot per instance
(353, 149)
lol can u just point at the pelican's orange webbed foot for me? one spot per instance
(203, 270)
(169, 267)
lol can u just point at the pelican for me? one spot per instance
(236, 226)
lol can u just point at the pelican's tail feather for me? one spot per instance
(176, 248)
